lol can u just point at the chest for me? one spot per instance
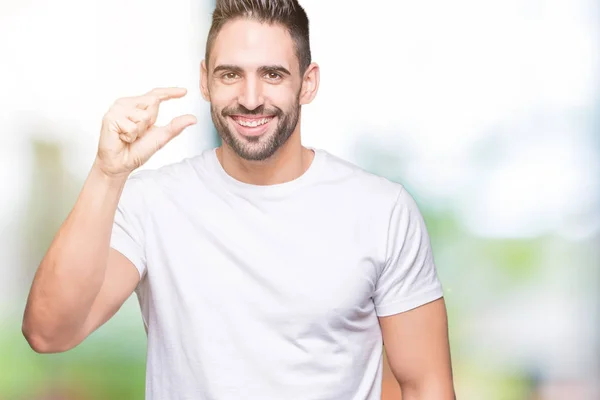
(309, 261)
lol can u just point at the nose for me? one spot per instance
(251, 95)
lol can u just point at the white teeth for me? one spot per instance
(253, 124)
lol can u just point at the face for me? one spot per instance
(255, 88)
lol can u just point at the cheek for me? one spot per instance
(223, 96)
(281, 97)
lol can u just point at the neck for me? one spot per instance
(289, 162)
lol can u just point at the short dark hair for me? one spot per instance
(287, 13)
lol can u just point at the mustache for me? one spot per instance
(260, 110)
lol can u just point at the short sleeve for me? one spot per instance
(409, 277)
(128, 227)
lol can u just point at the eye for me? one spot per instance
(229, 76)
(273, 76)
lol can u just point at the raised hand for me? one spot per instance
(129, 137)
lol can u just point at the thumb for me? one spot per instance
(157, 137)
(177, 125)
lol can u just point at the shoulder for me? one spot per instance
(170, 175)
(148, 188)
(354, 179)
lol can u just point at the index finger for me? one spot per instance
(168, 93)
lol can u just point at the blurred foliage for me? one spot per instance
(52, 194)
(109, 368)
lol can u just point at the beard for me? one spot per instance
(262, 147)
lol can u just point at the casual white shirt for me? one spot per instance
(271, 292)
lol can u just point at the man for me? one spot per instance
(264, 269)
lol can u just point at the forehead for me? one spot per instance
(251, 44)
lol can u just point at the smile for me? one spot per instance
(254, 126)
(251, 122)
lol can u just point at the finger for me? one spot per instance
(153, 97)
(127, 129)
(139, 109)
(163, 94)
(142, 118)
(157, 137)
(141, 102)
(178, 124)
(147, 102)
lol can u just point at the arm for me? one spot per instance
(418, 351)
(411, 309)
(81, 282)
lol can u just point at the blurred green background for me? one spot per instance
(488, 112)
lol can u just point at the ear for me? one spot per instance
(310, 84)
(204, 81)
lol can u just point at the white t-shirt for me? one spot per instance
(271, 292)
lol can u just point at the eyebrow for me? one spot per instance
(274, 68)
(239, 70)
(227, 67)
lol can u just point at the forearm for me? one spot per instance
(72, 271)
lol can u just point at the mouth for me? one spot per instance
(252, 126)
